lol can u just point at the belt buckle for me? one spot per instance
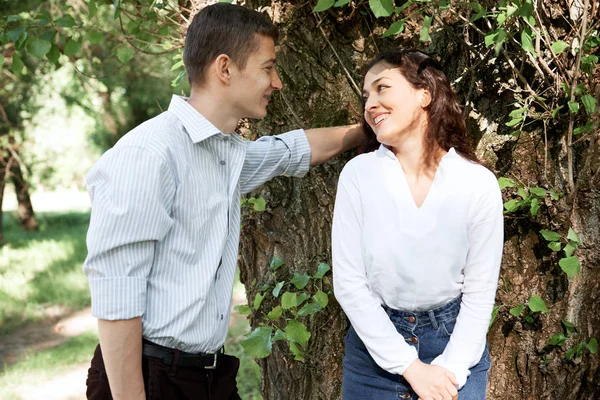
(214, 364)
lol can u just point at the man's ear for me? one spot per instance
(222, 68)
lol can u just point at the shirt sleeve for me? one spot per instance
(131, 191)
(482, 268)
(368, 318)
(270, 156)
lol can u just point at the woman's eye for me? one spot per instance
(381, 87)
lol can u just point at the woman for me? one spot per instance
(417, 241)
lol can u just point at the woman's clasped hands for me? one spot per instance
(431, 382)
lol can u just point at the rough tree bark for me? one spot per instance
(25, 208)
(319, 63)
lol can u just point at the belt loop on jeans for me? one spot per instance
(434, 323)
(174, 361)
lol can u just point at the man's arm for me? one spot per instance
(326, 143)
(121, 344)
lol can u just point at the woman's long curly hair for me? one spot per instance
(445, 124)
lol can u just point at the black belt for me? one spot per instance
(182, 359)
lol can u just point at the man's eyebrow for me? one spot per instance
(270, 60)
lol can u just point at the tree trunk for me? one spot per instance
(319, 63)
(3, 178)
(25, 208)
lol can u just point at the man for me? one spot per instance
(164, 231)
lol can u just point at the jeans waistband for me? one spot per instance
(443, 313)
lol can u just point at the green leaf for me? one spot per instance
(424, 37)
(258, 299)
(322, 269)
(300, 281)
(323, 5)
(258, 343)
(277, 288)
(296, 351)
(570, 265)
(14, 34)
(92, 8)
(175, 82)
(259, 204)
(505, 182)
(275, 313)
(116, 4)
(2, 59)
(568, 326)
(72, 47)
(94, 37)
(301, 298)
(516, 311)
(556, 111)
(243, 309)
(37, 47)
(341, 3)
(535, 207)
(574, 107)
(536, 304)
(381, 8)
(518, 112)
(321, 298)
(521, 192)
(572, 236)
(125, 54)
(550, 236)
(276, 263)
(279, 335)
(554, 246)
(480, 11)
(589, 102)
(592, 345)
(17, 64)
(526, 41)
(289, 300)
(512, 205)
(584, 129)
(66, 21)
(495, 311)
(538, 191)
(309, 308)
(559, 46)
(178, 65)
(569, 249)
(570, 353)
(394, 29)
(554, 194)
(296, 331)
(514, 121)
(558, 339)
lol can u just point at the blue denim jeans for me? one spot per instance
(363, 379)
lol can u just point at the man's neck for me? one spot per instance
(214, 108)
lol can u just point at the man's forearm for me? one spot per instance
(121, 344)
(326, 143)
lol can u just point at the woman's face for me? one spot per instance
(393, 108)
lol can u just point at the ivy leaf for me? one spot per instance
(37, 47)
(309, 309)
(258, 204)
(538, 191)
(382, 8)
(394, 29)
(536, 304)
(321, 298)
(279, 335)
(125, 54)
(572, 236)
(296, 351)
(589, 102)
(424, 37)
(92, 8)
(479, 11)
(554, 246)
(72, 47)
(514, 121)
(300, 281)
(521, 192)
(275, 313)
(535, 207)
(323, 5)
(243, 309)
(570, 265)
(322, 269)
(94, 37)
(289, 300)
(296, 331)
(505, 182)
(550, 236)
(17, 64)
(341, 3)
(516, 311)
(558, 339)
(277, 288)
(66, 21)
(559, 46)
(276, 263)
(569, 249)
(512, 205)
(584, 129)
(592, 345)
(526, 41)
(554, 194)
(258, 343)
(301, 298)
(573, 107)
(258, 300)
(14, 34)
(568, 326)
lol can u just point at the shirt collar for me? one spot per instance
(384, 151)
(197, 127)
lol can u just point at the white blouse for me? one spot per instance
(388, 251)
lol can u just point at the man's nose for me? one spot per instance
(276, 82)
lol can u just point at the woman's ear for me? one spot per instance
(425, 98)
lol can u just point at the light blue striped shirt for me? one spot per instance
(165, 224)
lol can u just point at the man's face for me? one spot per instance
(252, 86)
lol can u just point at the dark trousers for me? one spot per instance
(171, 382)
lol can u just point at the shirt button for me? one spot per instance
(411, 319)
(414, 339)
(221, 317)
(222, 162)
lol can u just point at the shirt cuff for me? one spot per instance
(118, 298)
(300, 152)
(461, 373)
